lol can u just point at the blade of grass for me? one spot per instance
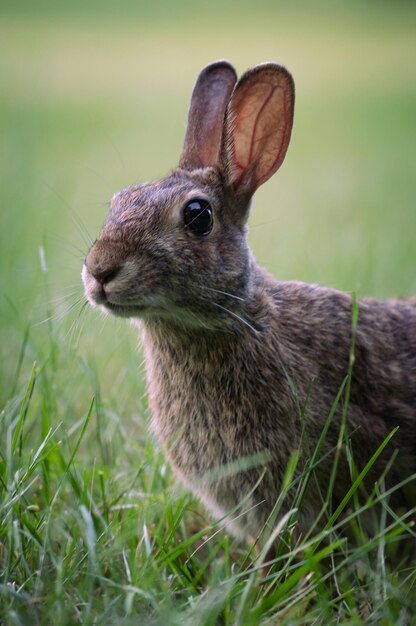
(17, 435)
(351, 491)
(272, 600)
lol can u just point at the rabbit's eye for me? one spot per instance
(198, 217)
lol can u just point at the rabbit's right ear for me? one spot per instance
(209, 100)
(257, 128)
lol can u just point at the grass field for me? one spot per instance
(92, 99)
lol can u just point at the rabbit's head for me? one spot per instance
(176, 248)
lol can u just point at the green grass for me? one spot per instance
(93, 530)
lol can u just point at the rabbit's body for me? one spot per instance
(242, 369)
(220, 397)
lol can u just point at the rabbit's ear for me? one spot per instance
(258, 124)
(209, 100)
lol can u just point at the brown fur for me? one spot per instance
(238, 364)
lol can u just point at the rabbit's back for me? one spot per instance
(319, 323)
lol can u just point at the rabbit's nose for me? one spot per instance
(102, 269)
(103, 263)
(104, 276)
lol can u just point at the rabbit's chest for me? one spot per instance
(211, 408)
(201, 423)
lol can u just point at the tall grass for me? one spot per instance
(92, 529)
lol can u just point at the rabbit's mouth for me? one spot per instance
(147, 308)
(123, 310)
(162, 312)
(108, 292)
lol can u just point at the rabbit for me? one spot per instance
(243, 369)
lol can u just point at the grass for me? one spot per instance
(91, 535)
(93, 530)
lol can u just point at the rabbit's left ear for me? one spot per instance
(258, 125)
(204, 129)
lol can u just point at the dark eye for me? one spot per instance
(198, 217)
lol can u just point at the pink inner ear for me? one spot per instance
(261, 122)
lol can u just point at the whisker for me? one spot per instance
(225, 293)
(238, 317)
(82, 229)
(59, 316)
(72, 248)
(88, 240)
(76, 325)
(67, 287)
(64, 297)
(74, 305)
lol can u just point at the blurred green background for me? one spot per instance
(93, 97)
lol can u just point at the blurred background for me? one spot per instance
(94, 96)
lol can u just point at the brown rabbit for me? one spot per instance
(243, 369)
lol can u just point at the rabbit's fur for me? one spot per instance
(242, 368)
